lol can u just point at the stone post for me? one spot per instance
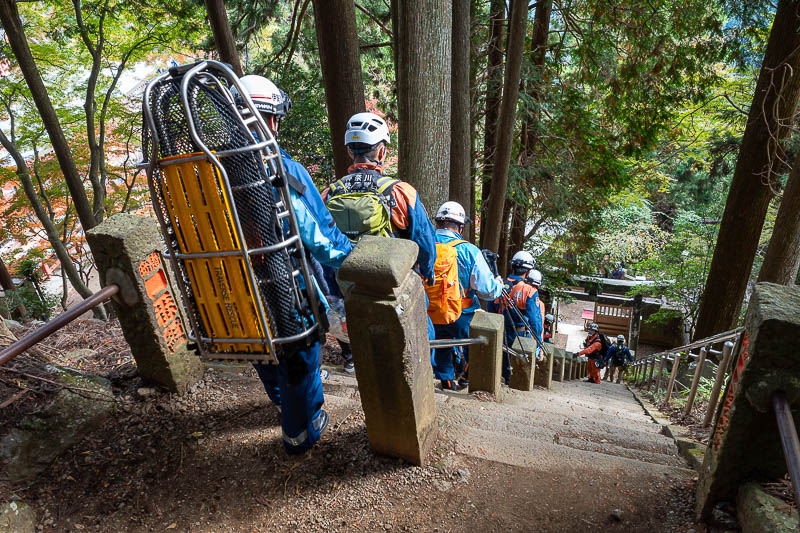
(486, 360)
(388, 327)
(559, 363)
(126, 249)
(745, 443)
(569, 366)
(522, 374)
(544, 371)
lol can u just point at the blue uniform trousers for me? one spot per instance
(300, 404)
(443, 357)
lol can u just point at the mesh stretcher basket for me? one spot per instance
(221, 197)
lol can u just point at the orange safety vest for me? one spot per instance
(519, 293)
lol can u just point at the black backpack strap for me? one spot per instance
(296, 184)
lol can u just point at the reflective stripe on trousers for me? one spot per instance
(303, 436)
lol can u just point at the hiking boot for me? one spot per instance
(463, 382)
(449, 384)
(349, 367)
(321, 421)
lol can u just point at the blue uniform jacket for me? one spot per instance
(474, 275)
(420, 230)
(612, 350)
(318, 232)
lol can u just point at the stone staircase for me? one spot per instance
(577, 427)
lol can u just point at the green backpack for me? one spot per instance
(361, 204)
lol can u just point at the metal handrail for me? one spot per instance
(454, 343)
(13, 350)
(789, 440)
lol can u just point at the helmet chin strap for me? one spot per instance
(273, 122)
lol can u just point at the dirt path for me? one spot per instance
(213, 461)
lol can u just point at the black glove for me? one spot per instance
(491, 259)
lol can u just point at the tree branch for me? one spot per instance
(375, 19)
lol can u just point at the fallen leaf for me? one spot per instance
(172, 525)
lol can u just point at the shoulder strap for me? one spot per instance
(453, 243)
(296, 184)
(337, 187)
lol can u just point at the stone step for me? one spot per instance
(589, 435)
(570, 461)
(581, 418)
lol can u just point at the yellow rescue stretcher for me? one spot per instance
(224, 210)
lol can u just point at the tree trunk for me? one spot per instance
(15, 35)
(423, 40)
(223, 36)
(503, 256)
(783, 253)
(505, 126)
(494, 83)
(8, 287)
(67, 266)
(769, 120)
(460, 142)
(531, 126)
(519, 219)
(475, 67)
(337, 36)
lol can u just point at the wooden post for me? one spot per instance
(636, 323)
(555, 316)
(652, 368)
(727, 348)
(695, 381)
(660, 372)
(672, 376)
(644, 372)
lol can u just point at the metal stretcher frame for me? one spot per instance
(271, 156)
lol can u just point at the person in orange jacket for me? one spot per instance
(593, 350)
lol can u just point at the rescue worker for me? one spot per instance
(617, 359)
(367, 139)
(547, 332)
(476, 281)
(298, 397)
(535, 279)
(593, 350)
(524, 298)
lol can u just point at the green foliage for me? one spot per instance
(681, 267)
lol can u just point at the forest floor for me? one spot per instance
(212, 461)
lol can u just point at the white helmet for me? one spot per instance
(523, 259)
(266, 96)
(620, 339)
(366, 128)
(535, 278)
(452, 211)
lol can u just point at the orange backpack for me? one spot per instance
(445, 295)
